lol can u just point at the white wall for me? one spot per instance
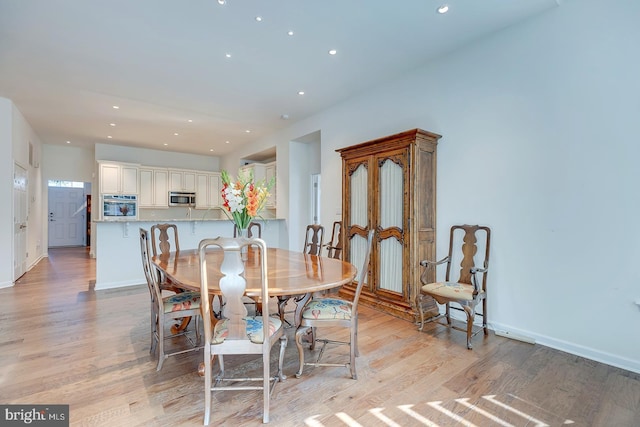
(6, 193)
(15, 136)
(539, 126)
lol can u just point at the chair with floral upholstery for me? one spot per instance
(468, 290)
(236, 333)
(175, 306)
(335, 312)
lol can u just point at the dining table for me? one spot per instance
(289, 273)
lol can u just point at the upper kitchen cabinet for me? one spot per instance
(154, 184)
(118, 178)
(182, 180)
(207, 190)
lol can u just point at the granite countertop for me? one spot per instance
(158, 220)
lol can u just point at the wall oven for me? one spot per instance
(182, 198)
(119, 206)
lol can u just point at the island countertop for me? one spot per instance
(117, 244)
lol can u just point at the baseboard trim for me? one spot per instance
(571, 348)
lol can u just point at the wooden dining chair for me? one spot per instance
(467, 291)
(236, 333)
(254, 230)
(334, 247)
(167, 234)
(335, 312)
(314, 236)
(177, 306)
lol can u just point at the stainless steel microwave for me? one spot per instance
(181, 198)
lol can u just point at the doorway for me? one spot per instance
(67, 216)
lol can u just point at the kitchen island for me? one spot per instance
(117, 244)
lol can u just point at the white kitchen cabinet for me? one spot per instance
(118, 178)
(182, 180)
(153, 188)
(207, 190)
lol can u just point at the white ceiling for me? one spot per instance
(66, 63)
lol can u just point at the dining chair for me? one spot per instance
(313, 238)
(335, 312)
(334, 247)
(467, 292)
(166, 235)
(175, 306)
(254, 230)
(236, 333)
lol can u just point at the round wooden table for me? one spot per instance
(290, 273)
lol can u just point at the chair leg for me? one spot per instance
(448, 313)
(355, 336)
(283, 347)
(300, 332)
(470, 316)
(421, 313)
(353, 350)
(207, 386)
(161, 355)
(484, 317)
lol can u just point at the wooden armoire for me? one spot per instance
(389, 184)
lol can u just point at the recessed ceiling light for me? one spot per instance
(109, 136)
(112, 124)
(115, 107)
(226, 142)
(222, 2)
(210, 149)
(284, 117)
(333, 52)
(228, 55)
(248, 131)
(165, 144)
(259, 18)
(175, 133)
(300, 92)
(68, 142)
(190, 121)
(443, 9)
(290, 33)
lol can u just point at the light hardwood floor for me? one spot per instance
(61, 342)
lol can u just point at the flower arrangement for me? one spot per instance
(243, 199)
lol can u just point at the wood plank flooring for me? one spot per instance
(61, 342)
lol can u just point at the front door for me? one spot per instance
(67, 213)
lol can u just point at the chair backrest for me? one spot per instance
(254, 230)
(233, 284)
(313, 239)
(164, 239)
(150, 273)
(362, 273)
(463, 246)
(334, 247)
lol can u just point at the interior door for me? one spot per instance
(67, 211)
(19, 221)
